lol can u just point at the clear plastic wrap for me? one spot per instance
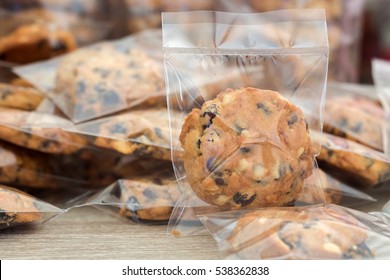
(350, 161)
(147, 199)
(20, 209)
(381, 74)
(104, 78)
(344, 20)
(144, 14)
(239, 147)
(312, 232)
(386, 208)
(354, 113)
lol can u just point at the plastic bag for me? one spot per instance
(104, 78)
(350, 161)
(18, 208)
(146, 199)
(381, 73)
(312, 232)
(243, 51)
(337, 192)
(147, 14)
(344, 20)
(352, 113)
(142, 132)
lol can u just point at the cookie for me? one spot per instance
(34, 42)
(356, 118)
(98, 81)
(149, 198)
(19, 97)
(143, 133)
(359, 163)
(318, 232)
(17, 207)
(14, 128)
(246, 148)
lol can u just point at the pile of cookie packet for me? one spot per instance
(237, 137)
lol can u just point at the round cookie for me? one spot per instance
(17, 207)
(299, 233)
(246, 148)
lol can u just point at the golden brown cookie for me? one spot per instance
(14, 128)
(34, 42)
(149, 198)
(356, 118)
(17, 207)
(246, 148)
(142, 133)
(98, 81)
(359, 163)
(317, 232)
(24, 98)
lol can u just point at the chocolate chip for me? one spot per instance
(357, 128)
(45, 144)
(263, 108)
(245, 150)
(242, 199)
(149, 194)
(292, 120)
(111, 97)
(118, 128)
(218, 173)
(211, 111)
(81, 86)
(158, 132)
(219, 181)
(157, 181)
(198, 143)
(330, 153)
(343, 122)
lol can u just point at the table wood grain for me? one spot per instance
(88, 233)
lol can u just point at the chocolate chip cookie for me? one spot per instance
(246, 148)
(356, 118)
(359, 163)
(18, 127)
(316, 232)
(19, 97)
(149, 198)
(98, 81)
(142, 133)
(34, 42)
(16, 208)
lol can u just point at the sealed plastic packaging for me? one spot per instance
(381, 74)
(235, 84)
(337, 192)
(104, 78)
(311, 232)
(344, 20)
(147, 199)
(141, 132)
(147, 14)
(351, 161)
(20, 209)
(354, 113)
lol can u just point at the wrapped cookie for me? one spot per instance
(312, 232)
(337, 192)
(353, 112)
(145, 199)
(351, 161)
(247, 146)
(381, 72)
(141, 132)
(104, 78)
(20, 209)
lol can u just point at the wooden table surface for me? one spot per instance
(87, 233)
